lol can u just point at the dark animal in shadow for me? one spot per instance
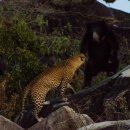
(101, 46)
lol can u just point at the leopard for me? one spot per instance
(59, 74)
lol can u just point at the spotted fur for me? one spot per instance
(60, 74)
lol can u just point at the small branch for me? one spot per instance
(123, 30)
(104, 85)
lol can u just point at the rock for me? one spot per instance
(117, 106)
(65, 118)
(67, 2)
(108, 125)
(6, 124)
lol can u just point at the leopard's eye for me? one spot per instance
(82, 58)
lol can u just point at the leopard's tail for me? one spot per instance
(26, 92)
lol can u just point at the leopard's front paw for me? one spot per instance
(40, 119)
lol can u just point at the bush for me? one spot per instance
(27, 54)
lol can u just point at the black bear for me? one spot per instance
(101, 46)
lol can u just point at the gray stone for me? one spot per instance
(65, 118)
(6, 124)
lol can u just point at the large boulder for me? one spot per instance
(6, 124)
(65, 118)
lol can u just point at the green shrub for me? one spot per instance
(23, 48)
